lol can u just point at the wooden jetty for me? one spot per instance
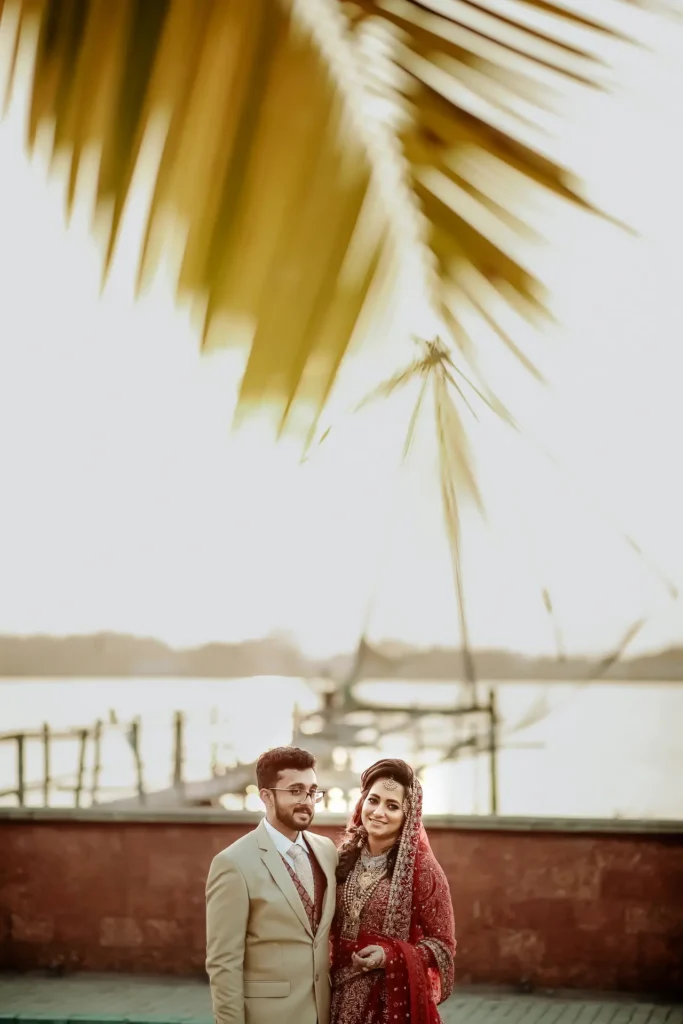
(47, 736)
(83, 737)
(341, 724)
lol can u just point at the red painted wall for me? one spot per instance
(592, 911)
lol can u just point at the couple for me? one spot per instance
(289, 915)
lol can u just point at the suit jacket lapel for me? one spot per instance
(325, 862)
(273, 861)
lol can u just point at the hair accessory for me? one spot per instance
(389, 783)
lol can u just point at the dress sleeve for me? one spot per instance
(427, 957)
(436, 926)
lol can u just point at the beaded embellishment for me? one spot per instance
(359, 886)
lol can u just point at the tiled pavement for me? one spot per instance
(92, 998)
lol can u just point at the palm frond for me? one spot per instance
(456, 482)
(266, 174)
(617, 652)
(542, 706)
(289, 192)
(555, 622)
(387, 388)
(474, 87)
(436, 368)
(13, 20)
(415, 415)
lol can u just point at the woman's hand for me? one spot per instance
(371, 958)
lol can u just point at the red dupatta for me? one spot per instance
(415, 931)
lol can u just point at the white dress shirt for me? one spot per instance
(283, 844)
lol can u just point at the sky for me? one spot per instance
(126, 504)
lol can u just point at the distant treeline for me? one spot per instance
(119, 655)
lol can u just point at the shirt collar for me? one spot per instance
(282, 843)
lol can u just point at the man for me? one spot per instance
(270, 900)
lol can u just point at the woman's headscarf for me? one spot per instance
(412, 842)
(419, 910)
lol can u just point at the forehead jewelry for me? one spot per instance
(389, 783)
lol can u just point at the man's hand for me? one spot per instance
(372, 958)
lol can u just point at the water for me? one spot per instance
(598, 750)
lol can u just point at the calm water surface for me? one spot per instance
(598, 750)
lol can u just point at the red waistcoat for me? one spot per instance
(313, 909)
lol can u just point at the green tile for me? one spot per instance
(31, 1017)
(136, 999)
(155, 1018)
(96, 1018)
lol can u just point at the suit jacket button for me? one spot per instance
(317, 977)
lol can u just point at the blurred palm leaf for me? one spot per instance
(265, 174)
(288, 191)
(476, 89)
(435, 367)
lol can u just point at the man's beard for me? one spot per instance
(289, 817)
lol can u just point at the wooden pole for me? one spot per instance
(46, 764)
(179, 728)
(83, 747)
(135, 740)
(97, 763)
(471, 742)
(214, 740)
(21, 769)
(493, 751)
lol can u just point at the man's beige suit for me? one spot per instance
(264, 963)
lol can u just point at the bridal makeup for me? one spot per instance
(382, 814)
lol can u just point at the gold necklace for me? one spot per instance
(361, 883)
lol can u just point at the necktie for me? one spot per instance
(302, 866)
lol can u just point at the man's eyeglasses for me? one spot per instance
(299, 793)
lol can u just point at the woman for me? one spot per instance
(392, 937)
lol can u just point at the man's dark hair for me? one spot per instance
(279, 759)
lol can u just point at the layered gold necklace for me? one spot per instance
(359, 886)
